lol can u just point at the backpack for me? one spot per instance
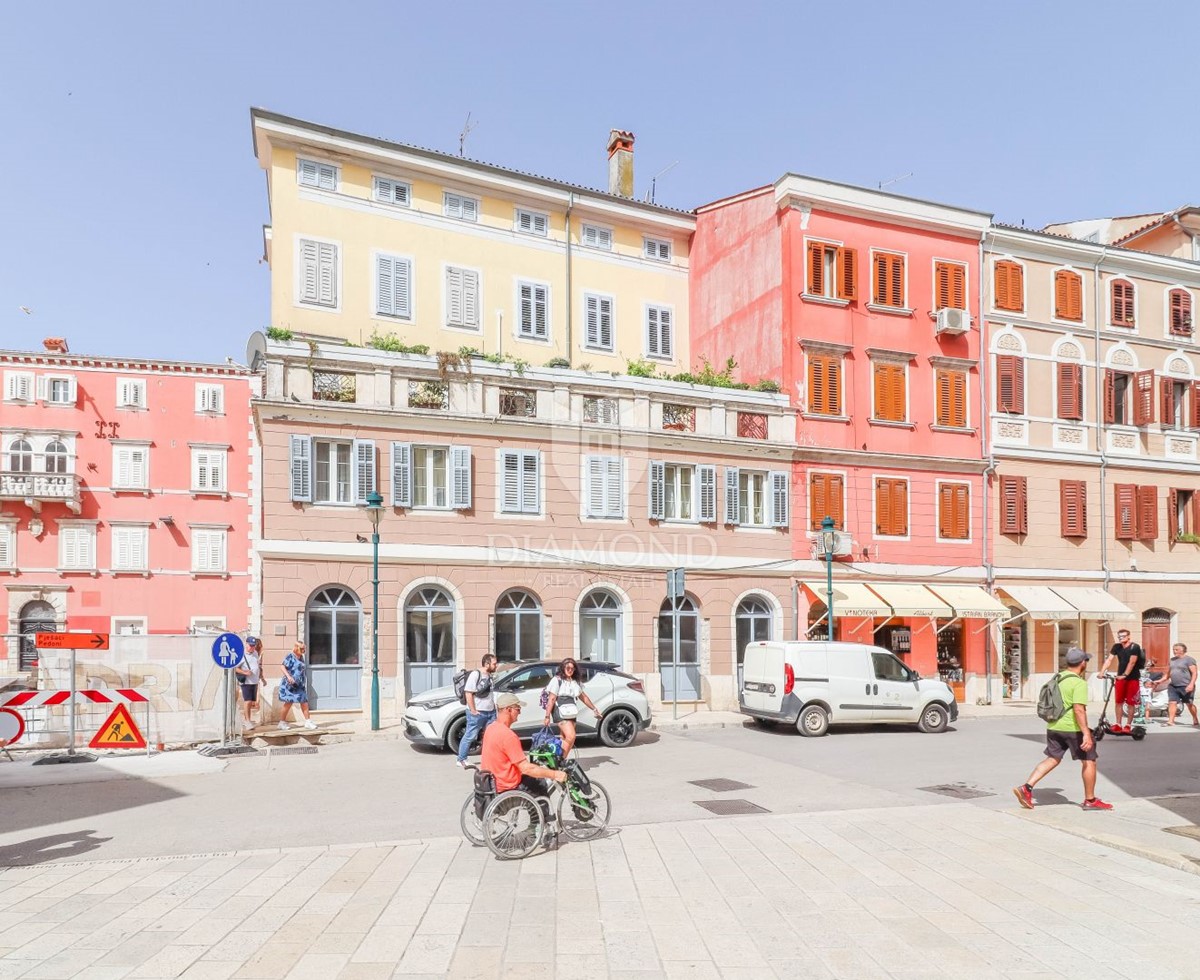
(460, 684)
(1050, 705)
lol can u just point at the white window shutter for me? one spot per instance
(658, 490)
(595, 489)
(70, 552)
(469, 209)
(707, 476)
(401, 474)
(308, 172)
(540, 225)
(402, 287)
(652, 331)
(664, 333)
(470, 298)
(606, 324)
(309, 261)
(120, 544)
(138, 468)
(460, 469)
(10, 386)
(201, 398)
(327, 274)
(73, 391)
(300, 464)
(530, 502)
(216, 471)
(511, 466)
(87, 547)
(454, 296)
(541, 328)
(43, 387)
(327, 177)
(199, 472)
(525, 325)
(780, 484)
(384, 288)
(732, 499)
(6, 546)
(593, 321)
(363, 474)
(616, 488)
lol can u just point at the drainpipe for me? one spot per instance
(1100, 433)
(570, 301)
(985, 451)
(795, 608)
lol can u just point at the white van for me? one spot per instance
(813, 685)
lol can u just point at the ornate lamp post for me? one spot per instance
(828, 540)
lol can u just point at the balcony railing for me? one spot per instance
(40, 487)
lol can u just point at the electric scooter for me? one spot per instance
(1136, 732)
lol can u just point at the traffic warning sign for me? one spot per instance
(12, 727)
(118, 732)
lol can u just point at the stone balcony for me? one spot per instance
(35, 489)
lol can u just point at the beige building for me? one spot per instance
(1095, 417)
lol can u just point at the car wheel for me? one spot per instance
(813, 721)
(454, 733)
(934, 719)
(619, 728)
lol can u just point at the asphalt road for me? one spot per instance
(385, 790)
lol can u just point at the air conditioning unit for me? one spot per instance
(843, 545)
(953, 321)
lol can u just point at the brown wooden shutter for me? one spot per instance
(898, 280)
(1147, 513)
(900, 507)
(1068, 295)
(883, 507)
(1070, 390)
(847, 264)
(1010, 383)
(958, 287)
(1195, 515)
(1009, 286)
(1110, 396)
(1166, 401)
(953, 510)
(833, 372)
(1122, 303)
(1014, 505)
(949, 286)
(962, 516)
(888, 277)
(941, 389)
(1073, 508)
(1195, 404)
(1125, 513)
(1181, 312)
(889, 392)
(1172, 515)
(958, 399)
(818, 493)
(818, 384)
(945, 508)
(1143, 398)
(834, 500)
(816, 269)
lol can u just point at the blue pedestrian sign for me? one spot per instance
(228, 650)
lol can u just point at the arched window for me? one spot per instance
(35, 617)
(518, 627)
(1068, 295)
(1008, 280)
(754, 621)
(429, 627)
(20, 456)
(600, 627)
(56, 457)
(684, 672)
(334, 628)
(1179, 312)
(1122, 303)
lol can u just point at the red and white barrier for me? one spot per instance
(38, 699)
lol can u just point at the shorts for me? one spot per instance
(249, 692)
(1057, 743)
(1128, 690)
(1180, 695)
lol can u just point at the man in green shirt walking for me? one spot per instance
(1069, 731)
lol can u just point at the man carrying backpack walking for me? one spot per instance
(1066, 729)
(481, 703)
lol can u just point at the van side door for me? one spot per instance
(898, 694)
(850, 684)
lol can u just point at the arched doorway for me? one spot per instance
(680, 678)
(518, 627)
(753, 622)
(35, 617)
(428, 640)
(1156, 635)
(334, 632)
(600, 627)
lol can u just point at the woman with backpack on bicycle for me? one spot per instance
(563, 694)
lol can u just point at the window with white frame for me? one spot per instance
(57, 457)
(598, 322)
(208, 550)
(757, 499)
(20, 456)
(57, 389)
(531, 222)
(596, 236)
(131, 466)
(431, 477)
(318, 273)
(128, 626)
(462, 298)
(658, 249)
(210, 399)
(131, 392)
(130, 547)
(333, 464)
(679, 492)
(208, 469)
(393, 286)
(329, 471)
(313, 173)
(390, 191)
(460, 206)
(753, 498)
(18, 386)
(76, 547)
(660, 332)
(8, 545)
(604, 494)
(533, 310)
(520, 474)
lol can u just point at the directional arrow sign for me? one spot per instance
(71, 641)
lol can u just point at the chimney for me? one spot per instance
(620, 163)
(56, 345)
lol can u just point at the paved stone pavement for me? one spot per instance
(931, 891)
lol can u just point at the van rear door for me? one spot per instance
(762, 678)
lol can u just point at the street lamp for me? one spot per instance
(374, 515)
(828, 539)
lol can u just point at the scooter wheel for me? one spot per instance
(1138, 733)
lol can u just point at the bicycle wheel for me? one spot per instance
(472, 826)
(583, 814)
(513, 825)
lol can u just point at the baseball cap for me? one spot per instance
(252, 640)
(507, 700)
(1075, 657)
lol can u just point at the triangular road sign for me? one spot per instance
(118, 732)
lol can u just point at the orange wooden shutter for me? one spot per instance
(945, 503)
(1073, 508)
(833, 372)
(1181, 312)
(950, 286)
(847, 264)
(953, 506)
(883, 507)
(1010, 383)
(1008, 282)
(897, 280)
(816, 269)
(1122, 303)
(1070, 390)
(941, 286)
(900, 507)
(834, 498)
(889, 279)
(1110, 396)
(1125, 515)
(961, 511)
(1143, 398)
(818, 385)
(951, 389)
(889, 392)
(1014, 511)
(1172, 515)
(1195, 409)
(1147, 513)
(817, 495)
(1068, 295)
(1166, 402)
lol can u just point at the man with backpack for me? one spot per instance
(474, 688)
(1063, 705)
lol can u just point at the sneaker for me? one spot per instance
(310, 724)
(284, 726)
(1095, 803)
(461, 763)
(1024, 796)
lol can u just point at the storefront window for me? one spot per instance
(950, 652)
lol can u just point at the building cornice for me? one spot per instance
(1036, 246)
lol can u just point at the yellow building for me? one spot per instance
(371, 237)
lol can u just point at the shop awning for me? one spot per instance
(851, 599)
(1094, 603)
(910, 599)
(971, 602)
(1040, 601)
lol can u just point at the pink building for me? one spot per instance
(124, 495)
(865, 305)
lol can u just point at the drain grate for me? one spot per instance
(720, 785)
(294, 750)
(960, 791)
(730, 808)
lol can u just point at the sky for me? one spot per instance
(132, 205)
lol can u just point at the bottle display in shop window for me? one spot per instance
(949, 658)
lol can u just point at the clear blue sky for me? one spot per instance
(131, 203)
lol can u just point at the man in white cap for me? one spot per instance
(503, 756)
(1069, 731)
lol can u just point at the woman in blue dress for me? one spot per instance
(293, 689)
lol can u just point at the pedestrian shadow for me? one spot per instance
(56, 847)
(1051, 796)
